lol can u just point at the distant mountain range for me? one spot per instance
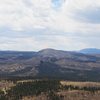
(50, 63)
(90, 51)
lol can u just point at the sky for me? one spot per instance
(30, 25)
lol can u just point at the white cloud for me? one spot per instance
(31, 43)
(23, 16)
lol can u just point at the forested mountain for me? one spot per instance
(50, 63)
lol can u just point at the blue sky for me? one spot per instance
(60, 24)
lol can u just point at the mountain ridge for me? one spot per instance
(90, 51)
(50, 63)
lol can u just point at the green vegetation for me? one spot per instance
(52, 89)
(2, 95)
(90, 89)
(33, 88)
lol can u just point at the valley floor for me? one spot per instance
(69, 95)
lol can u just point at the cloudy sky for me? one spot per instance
(60, 24)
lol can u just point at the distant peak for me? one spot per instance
(90, 51)
(47, 49)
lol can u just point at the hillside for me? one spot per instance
(50, 63)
